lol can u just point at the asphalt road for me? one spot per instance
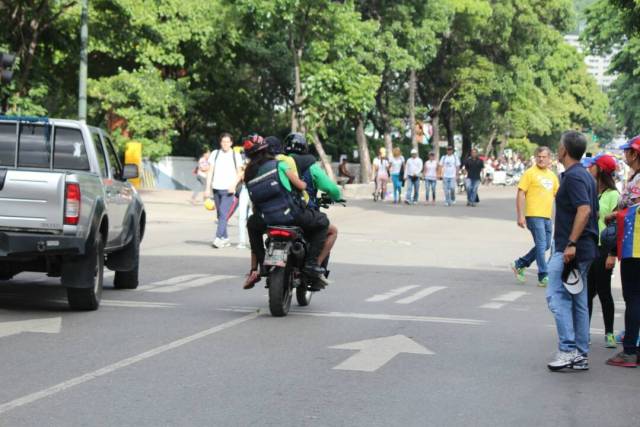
(423, 325)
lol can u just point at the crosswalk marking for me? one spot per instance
(181, 283)
(420, 294)
(392, 293)
(502, 300)
(510, 296)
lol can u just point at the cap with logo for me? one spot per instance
(632, 144)
(571, 278)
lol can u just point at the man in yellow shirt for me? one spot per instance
(534, 206)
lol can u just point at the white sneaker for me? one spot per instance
(241, 246)
(225, 243)
(562, 359)
(217, 242)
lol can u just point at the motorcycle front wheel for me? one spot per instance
(280, 291)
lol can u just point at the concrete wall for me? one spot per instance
(176, 173)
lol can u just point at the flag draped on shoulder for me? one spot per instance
(629, 233)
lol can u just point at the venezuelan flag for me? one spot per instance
(629, 233)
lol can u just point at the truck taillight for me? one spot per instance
(72, 204)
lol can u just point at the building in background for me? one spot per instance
(597, 66)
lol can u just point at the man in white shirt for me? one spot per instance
(450, 166)
(431, 176)
(222, 178)
(412, 171)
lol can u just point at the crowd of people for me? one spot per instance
(411, 172)
(595, 223)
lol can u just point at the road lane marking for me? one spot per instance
(51, 325)
(392, 293)
(375, 353)
(493, 305)
(420, 294)
(510, 296)
(181, 283)
(369, 316)
(108, 274)
(136, 304)
(33, 397)
(502, 300)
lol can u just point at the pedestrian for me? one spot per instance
(380, 174)
(450, 165)
(534, 206)
(628, 222)
(602, 168)
(412, 171)
(397, 174)
(474, 166)
(343, 172)
(223, 177)
(200, 172)
(576, 246)
(244, 204)
(431, 176)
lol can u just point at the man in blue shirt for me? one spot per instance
(576, 242)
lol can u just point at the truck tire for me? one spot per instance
(129, 279)
(88, 298)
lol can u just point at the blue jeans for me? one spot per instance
(571, 312)
(541, 231)
(449, 185)
(397, 186)
(431, 186)
(224, 202)
(472, 189)
(413, 189)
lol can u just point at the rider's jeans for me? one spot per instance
(449, 185)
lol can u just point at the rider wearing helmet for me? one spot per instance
(296, 146)
(273, 187)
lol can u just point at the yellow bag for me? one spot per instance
(209, 204)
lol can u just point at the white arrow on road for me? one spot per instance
(43, 326)
(375, 353)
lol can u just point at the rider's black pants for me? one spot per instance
(314, 224)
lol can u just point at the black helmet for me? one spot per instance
(254, 143)
(275, 145)
(296, 143)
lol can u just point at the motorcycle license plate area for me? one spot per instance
(276, 257)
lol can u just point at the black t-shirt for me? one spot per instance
(473, 167)
(577, 188)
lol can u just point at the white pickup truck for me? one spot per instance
(66, 207)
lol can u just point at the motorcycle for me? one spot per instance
(283, 264)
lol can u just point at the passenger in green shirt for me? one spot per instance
(602, 168)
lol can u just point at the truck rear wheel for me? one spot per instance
(129, 279)
(88, 298)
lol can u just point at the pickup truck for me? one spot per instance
(66, 207)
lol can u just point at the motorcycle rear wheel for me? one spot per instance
(280, 291)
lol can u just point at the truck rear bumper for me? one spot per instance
(14, 244)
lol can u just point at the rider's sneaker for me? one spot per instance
(562, 359)
(314, 270)
(610, 341)
(542, 283)
(519, 273)
(251, 279)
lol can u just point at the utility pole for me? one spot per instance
(84, 41)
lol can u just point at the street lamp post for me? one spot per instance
(84, 40)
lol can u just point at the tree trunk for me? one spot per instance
(324, 159)
(489, 147)
(466, 140)
(435, 122)
(388, 143)
(448, 125)
(412, 108)
(363, 152)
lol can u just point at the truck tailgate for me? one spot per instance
(32, 200)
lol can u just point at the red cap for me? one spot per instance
(632, 144)
(606, 163)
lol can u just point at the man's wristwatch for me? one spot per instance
(571, 243)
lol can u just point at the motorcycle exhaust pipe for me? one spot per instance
(299, 252)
